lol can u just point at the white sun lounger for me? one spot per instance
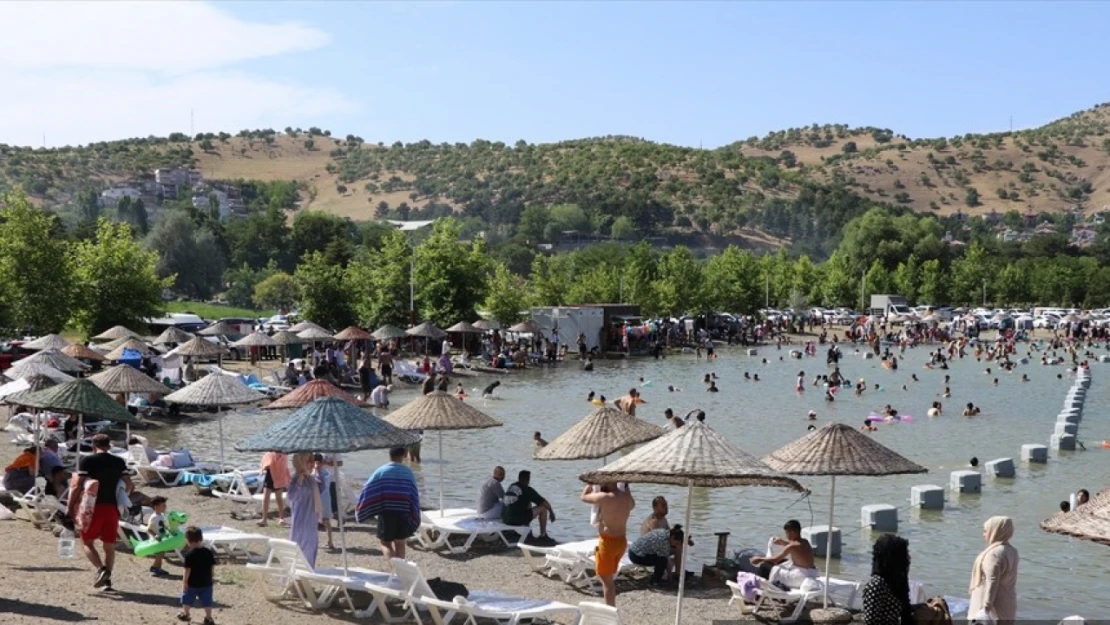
(38, 507)
(572, 562)
(594, 613)
(484, 604)
(841, 592)
(234, 543)
(154, 475)
(426, 534)
(443, 528)
(248, 503)
(287, 567)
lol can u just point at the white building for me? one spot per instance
(111, 197)
(200, 202)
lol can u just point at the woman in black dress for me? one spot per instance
(886, 596)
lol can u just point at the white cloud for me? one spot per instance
(96, 71)
(156, 36)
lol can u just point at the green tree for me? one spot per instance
(378, 280)
(640, 272)
(188, 254)
(241, 282)
(319, 231)
(878, 280)
(623, 229)
(907, 278)
(116, 280)
(323, 296)
(972, 197)
(277, 292)
(839, 285)
(450, 275)
(849, 147)
(259, 239)
(934, 284)
(35, 268)
(680, 284)
(969, 274)
(731, 281)
(550, 280)
(533, 222)
(506, 295)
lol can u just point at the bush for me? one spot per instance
(849, 147)
(972, 198)
(1003, 195)
(341, 188)
(309, 144)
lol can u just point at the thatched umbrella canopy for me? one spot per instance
(79, 397)
(199, 346)
(52, 357)
(692, 455)
(116, 332)
(172, 335)
(603, 432)
(353, 333)
(37, 368)
(132, 344)
(308, 393)
(31, 384)
(837, 449)
(306, 325)
(46, 341)
(256, 339)
(1071, 318)
(219, 328)
(426, 330)
(387, 332)
(219, 390)
(525, 327)
(440, 411)
(287, 337)
(486, 325)
(1090, 521)
(123, 379)
(315, 334)
(80, 352)
(465, 328)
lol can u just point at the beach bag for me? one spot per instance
(933, 612)
(82, 500)
(445, 590)
(747, 584)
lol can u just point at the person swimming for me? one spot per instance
(712, 387)
(589, 364)
(868, 427)
(811, 427)
(755, 377)
(747, 376)
(971, 410)
(487, 393)
(460, 392)
(913, 376)
(974, 462)
(1024, 378)
(947, 392)
(935, 410)
(801, 385)
(590, 397)
(673, 389)
(829, 395)
(599, 400)
(996, 381)
(812, 416)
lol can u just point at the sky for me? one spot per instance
(686, 73)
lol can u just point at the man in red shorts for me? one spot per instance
(108, 470)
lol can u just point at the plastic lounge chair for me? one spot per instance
(426, 535)
(287, 567)
(38, 507)
(841, 592)
(248, 503)
(469, 526)
(594, 613)
(153, 474)
(573, 562)
(232, 542)
(481, 604)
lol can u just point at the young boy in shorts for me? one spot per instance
(197, 581)
(158, 530)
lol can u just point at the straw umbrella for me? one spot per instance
(80, 352)
(198, 346)
(30, 384)
(217, 390)
(837, 449)
(254, 340)
(219, 328)
(114, 333)
(285, 338)
(46, 341)
(310, 392)
(352, 334)
(440, 411)
(692, 455)
(388, 332)
(121, 379)
(315, 334)
(132, 344)
(37, 368)
(332, 426)
(525, 327)
(53, 358)
(486, 325)
(1090, 521)
(603, 432)
(426, 330)
(172, 335)
(306, 325)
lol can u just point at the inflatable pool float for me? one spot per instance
(173, 541)
(1105, 444)
(876, 418)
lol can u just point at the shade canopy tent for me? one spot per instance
(525, 327)
(134, 345)
(80, 352)
(116, 333)
(52, 357)
(1089, 521)
(122, 379)
(310, 392)
(217, 390)
(837, 449)
(37, 368)
(603, 432)
(45, 342)
(333, 426)
(387, 332)
(487, 325)
(80, 397)
(426, 330)
(440, 411)
(172, 336)
(694, 455)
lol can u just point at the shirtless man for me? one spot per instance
(614, 505)
(794, 564)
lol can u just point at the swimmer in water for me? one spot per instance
(878, 388)
(487, 393)
(706, 380)
(947, 392)
(1024, 378)
(747, 376)
(755, 378)
(590, 397)
(801, 385)
(764, 361)
(812, 415)
(599, 401)
(913, 376)
(460, 392)
(673, 389)
(811, 427)
(904, 388)
(829, 396)
(996, 381)
(935, 410)
(971, 410)
(868, 427)
(988, 372)
(712, 387)
(589, 365)
(974, 461)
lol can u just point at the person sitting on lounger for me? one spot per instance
(490, 498)
(794, 564)
(523, 504)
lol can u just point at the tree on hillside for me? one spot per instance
(187, 254)
(450, 275)
(849, 147)
(116, 280)
(506, 296)
(378, 282)
(972, 197)
(35, 268)
(623, 229)
(680, 285)
(259, 239)
(241, 282)
(316, 231)
(277, 292)
(731, 281)
(323, 296)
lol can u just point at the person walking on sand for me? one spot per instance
(994, 575)
(614, 505)
(391, 495)
(275, 479)
(101, 474)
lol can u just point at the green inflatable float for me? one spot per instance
(172, 541)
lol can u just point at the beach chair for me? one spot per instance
(470, 527)
(426, 535)
(287, 569)
(594, 613)
(38, 507)
(234, 543)
(480, 604)
(841, 592)
(572, 562)
(248, 503)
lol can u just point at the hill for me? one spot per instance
(800, 184)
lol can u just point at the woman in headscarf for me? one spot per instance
(994, 575)
(305, 506)
(886, 596)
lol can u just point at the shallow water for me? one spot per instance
(760, 417)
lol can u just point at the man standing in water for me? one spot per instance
(614, 505)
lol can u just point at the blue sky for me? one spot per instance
(687, 73)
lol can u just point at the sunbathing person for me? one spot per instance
(523, 504)
(794, 564)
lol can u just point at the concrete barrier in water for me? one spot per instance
(966, 481)
(1032, 452)
(880, 517)
(867, 355)
(1000, 467)
(753, 352)
(927, 497)
(1066, 428)
(1063, 442)
(1069, 417)
(818, 536)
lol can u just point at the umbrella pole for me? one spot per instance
(38, 444)
(828, 541)
(685, 549)
(342, 512)
(441, 513)
(220, 425)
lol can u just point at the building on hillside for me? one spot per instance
(409, 226)
(172, 182)
(202, 198)
(1009, 235)
(112, 196)
(1082, 236)
(1045, 228)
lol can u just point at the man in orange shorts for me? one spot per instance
(614, 504)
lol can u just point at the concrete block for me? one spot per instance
(868, 355)
(880, 517)
(818, 536)
(1069, 417)
(927, 496)
(1083, 382)
(1062, 442)
(753, 352)
(1032, 452)
(1066, 428)
(966, 481)
(1104, 358)
(1000, 467)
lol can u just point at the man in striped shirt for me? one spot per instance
(391, 495)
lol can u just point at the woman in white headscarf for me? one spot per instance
(994, 574)
(305, 506)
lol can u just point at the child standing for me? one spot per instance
(325, 493)
(158, 530)
(197, 580)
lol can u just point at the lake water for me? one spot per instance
(760, 417)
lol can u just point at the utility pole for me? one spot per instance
(984, 292)
(412, 293)
(862, 291)
(767, 291)
(622, 289)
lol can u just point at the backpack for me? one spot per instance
(445, 590)
(933, 612)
